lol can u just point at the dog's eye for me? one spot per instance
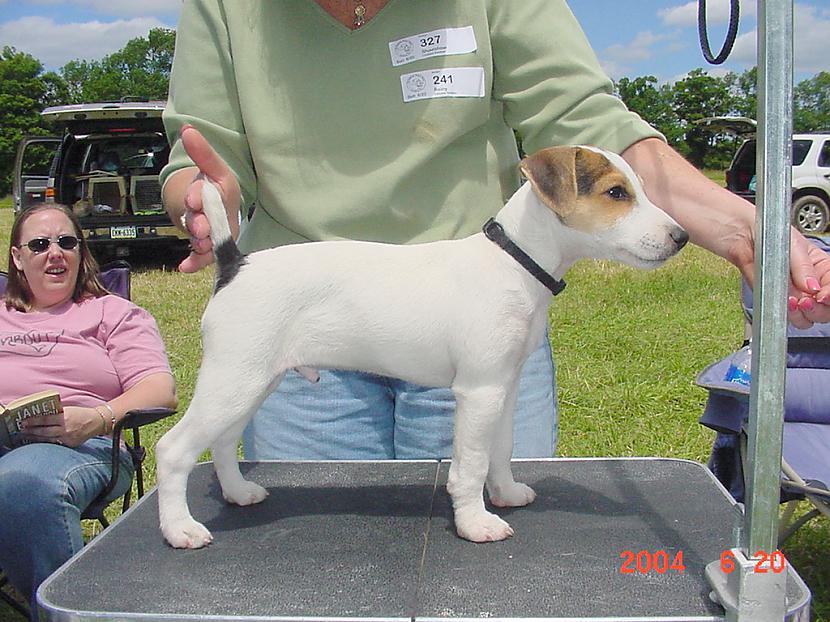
(618, 193)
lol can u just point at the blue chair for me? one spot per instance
(116, 277)
(806, 444)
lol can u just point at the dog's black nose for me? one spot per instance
(680, 237)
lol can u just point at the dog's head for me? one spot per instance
(598, 194)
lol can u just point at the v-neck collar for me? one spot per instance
(345, 29)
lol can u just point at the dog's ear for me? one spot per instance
(552, 173)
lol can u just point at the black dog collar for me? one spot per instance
(495, 232)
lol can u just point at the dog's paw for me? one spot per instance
(513, 496)
(483, 527)
(187, 534)
(247, 493)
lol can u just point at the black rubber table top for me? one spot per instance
(605, 539)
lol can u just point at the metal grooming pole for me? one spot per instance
(772, 271)
(753, 595)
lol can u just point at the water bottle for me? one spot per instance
(740, 370)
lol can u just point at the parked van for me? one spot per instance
(105, 165)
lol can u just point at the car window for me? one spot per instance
(824, 154)
(136, 155)
(37, 158)
(800, 150)
(745, 159)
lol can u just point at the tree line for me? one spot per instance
(142, 69)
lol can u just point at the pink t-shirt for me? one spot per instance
(89, 352)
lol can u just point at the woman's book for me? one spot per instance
(15, 412)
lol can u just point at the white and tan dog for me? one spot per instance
(462, 314)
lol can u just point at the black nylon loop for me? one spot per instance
(702, 31)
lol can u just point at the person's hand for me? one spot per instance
(809, 300)
(71, 428)
(213, 168)
(809, 290)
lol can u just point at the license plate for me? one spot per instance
(126, 232)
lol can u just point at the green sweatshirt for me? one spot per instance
(330, 139)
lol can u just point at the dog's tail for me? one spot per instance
(229, 259)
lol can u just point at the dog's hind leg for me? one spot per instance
(502, 489)
(478, 411)
(220, 407)
(176, 456)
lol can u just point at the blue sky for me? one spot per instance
(631, 37)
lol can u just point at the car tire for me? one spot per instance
(810, 214)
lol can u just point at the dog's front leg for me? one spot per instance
(477, 414)
(503, 490)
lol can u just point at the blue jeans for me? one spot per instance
(357, 416)
(44, 488)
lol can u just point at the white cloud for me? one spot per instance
(683, 15)
(717, 12)
(613, 69)
(744, 51)
(812, 39)
(616, 60)
(131, 7)
(55, 44)
(811, 42)
(638, 48)
(120, 7)
(811, 33)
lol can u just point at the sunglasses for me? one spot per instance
(40, 245)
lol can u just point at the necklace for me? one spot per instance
(359, 14)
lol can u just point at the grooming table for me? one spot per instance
(375, 541)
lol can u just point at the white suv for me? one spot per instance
(811, 179)
(810, 173)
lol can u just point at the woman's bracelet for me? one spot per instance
(104, 418)
(112, 415)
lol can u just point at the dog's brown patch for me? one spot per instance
(551, 173)
(580, 185)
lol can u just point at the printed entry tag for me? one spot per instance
(449, 82)
(441, 42)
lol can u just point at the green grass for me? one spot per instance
(627, 344)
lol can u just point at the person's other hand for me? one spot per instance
(212, 168)
(809, 290)
(809, 299)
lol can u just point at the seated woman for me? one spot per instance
(61, 330)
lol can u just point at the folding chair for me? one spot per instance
(805, 470)
(116, 278)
